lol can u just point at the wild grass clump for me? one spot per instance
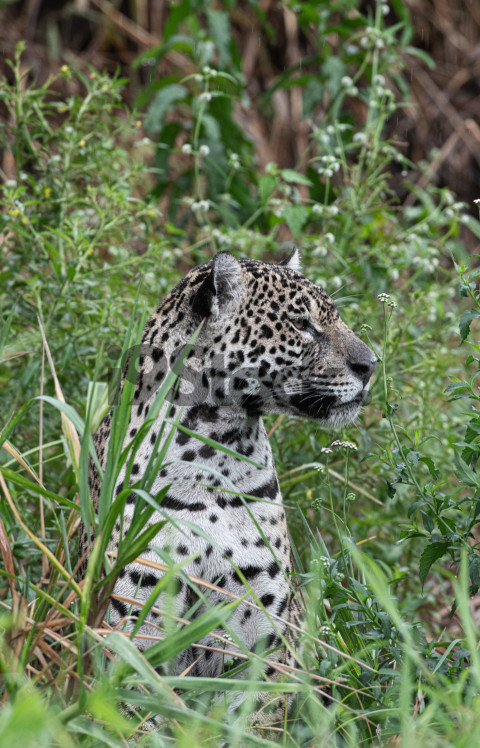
(383, 517)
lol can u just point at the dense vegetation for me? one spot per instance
(103, 211)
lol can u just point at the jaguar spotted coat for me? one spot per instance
(270, 342)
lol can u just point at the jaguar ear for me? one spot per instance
(222, 288)
(292, 261)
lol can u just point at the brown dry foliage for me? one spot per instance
(444, 113)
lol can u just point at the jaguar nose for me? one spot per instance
(363, 363)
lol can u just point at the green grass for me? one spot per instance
(385, 534)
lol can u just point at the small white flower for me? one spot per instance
(330, 129)
(69, 129)
(326, 450)
(385, 9)
(383, 297)
(347, 445)
(378, 80)
(329, 238)
(201, 206)
(187, 148)
(465, 219)
(320, 251)
(332, 210)
(346, 81)
(204, 150)
(324, 561)
(317, 209)
(328, 173)
(477, 200)
(359, 137)
(205, 96)
(324, 630)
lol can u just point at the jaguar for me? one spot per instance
(268, 341)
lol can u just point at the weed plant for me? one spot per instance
(383, 516)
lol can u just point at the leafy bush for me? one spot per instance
(81, 228)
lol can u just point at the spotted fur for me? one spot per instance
(271, 342)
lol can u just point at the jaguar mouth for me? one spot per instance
(328, 409)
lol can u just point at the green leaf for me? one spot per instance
(161, 105)
(220, 29)
(465, 474)
(431, 553)
(289, 175)
(422, 55)
(427, 522)
(266, 185)
(465, 321)
(20, 480)
(295, 216)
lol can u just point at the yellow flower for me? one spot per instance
(14, 212)
(47, 191)
(309, 494)
(62, 109)
(104, 87)
(92, 76)
(64, 68)
(151, 212)
(138, 123)
(24, 219)
(89, 250)
(82, 143)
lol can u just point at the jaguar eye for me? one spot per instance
(300, 324)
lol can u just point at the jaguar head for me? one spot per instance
(277, 344)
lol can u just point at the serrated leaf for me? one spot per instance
(295, 216)
(465, 321)
(427, 522)
(465, 474)
(431, 553)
